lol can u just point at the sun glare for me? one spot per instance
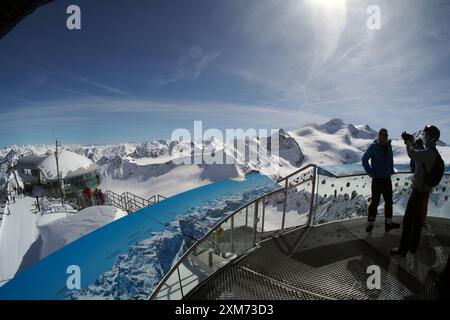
(330, 4)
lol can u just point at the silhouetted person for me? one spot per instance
(424, 161)
(380, 170)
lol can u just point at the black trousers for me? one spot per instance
(381, 187)
(412, 222)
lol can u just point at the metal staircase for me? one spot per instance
(130, 202)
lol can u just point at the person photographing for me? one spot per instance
(429, 169)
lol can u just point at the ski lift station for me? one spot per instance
(40, 172)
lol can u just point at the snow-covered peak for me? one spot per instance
(355, 131)
(333, 142)
(365, 130)
(338, 127)
(332, 126)
(11, 156)
(151, 149)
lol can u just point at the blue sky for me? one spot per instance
(137, 70)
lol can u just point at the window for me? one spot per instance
(90, 179)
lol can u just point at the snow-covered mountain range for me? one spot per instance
(146, 168)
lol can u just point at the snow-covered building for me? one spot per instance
(77, 172)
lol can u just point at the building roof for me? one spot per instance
(30, 161)
(70, 164)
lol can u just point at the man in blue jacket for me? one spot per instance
(380, 170)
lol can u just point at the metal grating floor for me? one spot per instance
(330, 262)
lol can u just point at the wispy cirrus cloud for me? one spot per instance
(190, 65)
(213, 112)
(274, 63)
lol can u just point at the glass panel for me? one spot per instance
(261, 232)
(243, 230)
(341, 198)
(349, 197)
(273, 212)
(439, 204)
(222, 239)
(171, 289)
(206, 258)
(298, 205)
(305, 176)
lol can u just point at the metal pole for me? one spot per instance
(179, 280)
(313, 193)
(284, 204)
(231, 234)
(255, 222)
(57, 172)
(263, 214)
(246, 215)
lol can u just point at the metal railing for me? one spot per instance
(348, 196)
(239, 232)
(130, 202)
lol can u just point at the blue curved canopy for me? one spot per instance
(127, 258)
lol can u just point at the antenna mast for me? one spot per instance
(60, 184)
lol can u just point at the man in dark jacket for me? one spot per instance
(380, 170)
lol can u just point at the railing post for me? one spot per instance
(312, 215)
(246, 215)
(255, 222)
(263, 214)
(126, 203)
(284, 204)
(179, 280)
(231, 234)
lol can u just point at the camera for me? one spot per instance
(418, 144)
(407, 137)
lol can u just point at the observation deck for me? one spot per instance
(307, 241)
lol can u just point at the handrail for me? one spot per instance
(225, 220)
(365, 174)
(296, 172)
(130, 202)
